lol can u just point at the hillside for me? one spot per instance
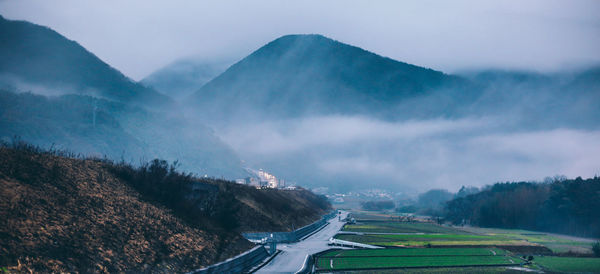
(536, 100)
(297, 75)
(39, 59)
(63, 214)
(99, 127)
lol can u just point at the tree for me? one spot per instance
(377, 205)
(596, 249)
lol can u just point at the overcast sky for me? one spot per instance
(139, 36)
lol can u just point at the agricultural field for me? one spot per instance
(419, 246)
(373, 216)
(556, 243)
(568, 264)
(400, 227)
(412, 258)
(422, 240)
(412, 252)
(440, 270)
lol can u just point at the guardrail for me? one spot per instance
(333, 241)
(288, 237)
(238, 264)
(246, 261)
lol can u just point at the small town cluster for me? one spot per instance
(262, 179)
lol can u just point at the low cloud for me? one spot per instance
(333, 131)
(353, 152)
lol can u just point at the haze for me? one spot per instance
(138, 37)
(517, 99)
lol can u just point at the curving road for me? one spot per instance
(292, 256)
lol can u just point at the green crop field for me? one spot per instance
(400, 252)
(569, 264)
(430, 239)
(400, 227)
(453, 249)
(399, 262)
(439, 270)
(556, 243)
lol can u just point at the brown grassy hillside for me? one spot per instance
(62, 214)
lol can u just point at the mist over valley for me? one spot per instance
(169, 139)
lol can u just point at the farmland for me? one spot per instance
(556, 243)
(412, 252)
(441, 270)
(411, 258)
(419, 246)
(421, 240)
(400, 227)
(569, 264)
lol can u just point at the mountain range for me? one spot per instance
(203, 109)
(55, 93)
(36, 57)
(307, 75)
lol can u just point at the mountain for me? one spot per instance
(104, 128)
(316, 111)
(93, 109)
(539, 100)
(183, 77)
(36, 58)
(64, 214)
(297, 75)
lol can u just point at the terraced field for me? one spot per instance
(411, 258)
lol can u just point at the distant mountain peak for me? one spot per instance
(35, 55)
(183, 77)
(310, 73)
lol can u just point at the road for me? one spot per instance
(292, 256)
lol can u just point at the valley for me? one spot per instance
(299, 137)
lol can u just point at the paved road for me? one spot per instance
(292, 257)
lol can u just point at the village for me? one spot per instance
(262, 179)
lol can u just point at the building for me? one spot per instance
(262, 179)
(267, 179)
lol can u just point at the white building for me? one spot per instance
(262, 179)
(267, 179)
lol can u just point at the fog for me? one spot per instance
(350, 153)
(300, 120)
(140, 37)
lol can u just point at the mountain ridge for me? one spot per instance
(181, 78)
(37, 55)
(313, 73)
